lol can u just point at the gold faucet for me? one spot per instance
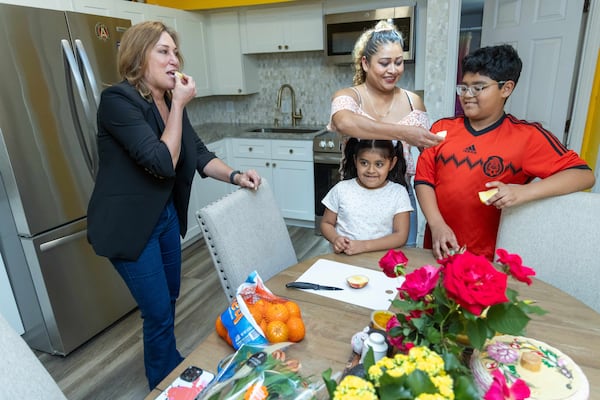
(293, 94)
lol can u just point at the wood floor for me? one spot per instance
(110, 366)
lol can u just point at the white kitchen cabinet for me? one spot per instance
(297, 27)
(133, 11)
(106, 7)
(49, 4)
(192, 31)
(206, 191)
(232, 72)
(287, 165)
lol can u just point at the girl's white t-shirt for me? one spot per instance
(366, 214)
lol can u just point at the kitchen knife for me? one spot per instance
(308, 285)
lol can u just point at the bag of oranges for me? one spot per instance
(257, 316)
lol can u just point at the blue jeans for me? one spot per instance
(154, 280)
(412, 233)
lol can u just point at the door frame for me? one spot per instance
(583, 80)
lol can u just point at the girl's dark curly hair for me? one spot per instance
(355, 147)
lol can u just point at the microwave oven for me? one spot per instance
(342, 30)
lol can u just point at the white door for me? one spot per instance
(546, 35)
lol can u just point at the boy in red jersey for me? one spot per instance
(484, 149)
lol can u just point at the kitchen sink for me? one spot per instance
(285, 130)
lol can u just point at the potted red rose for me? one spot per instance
(459, 304)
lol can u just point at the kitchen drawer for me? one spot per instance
(292, 150)
(251, 148)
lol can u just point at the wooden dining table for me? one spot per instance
(569, 325)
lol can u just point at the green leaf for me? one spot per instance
(478, 331)
(419, 382)
(403, 305)
(406, 386)
(433, 335)
(330, 384)
(507, 318)
(369, 359)
(464, 389)
(530, 308)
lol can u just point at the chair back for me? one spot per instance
(22, 375)
(558, 237)
(245, 231)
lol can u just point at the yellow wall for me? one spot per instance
(209, 4)
(591, 135)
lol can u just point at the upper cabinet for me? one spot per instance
(50, 4)
(190, 28)
(297, 27)
(232, 72)
(105, 8)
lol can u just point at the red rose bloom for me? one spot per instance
(420, 282)
(474, 283)
(393, 263)
(515, 265)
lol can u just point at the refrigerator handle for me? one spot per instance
(88, 73)
(72, 74)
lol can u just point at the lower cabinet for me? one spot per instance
(288, 166)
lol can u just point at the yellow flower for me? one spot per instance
(421, 358)
(354, 388)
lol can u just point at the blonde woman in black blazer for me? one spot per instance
(148, 155)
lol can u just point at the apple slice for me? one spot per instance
(485, 195)
(357, 281)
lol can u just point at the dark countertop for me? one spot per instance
(213, 132)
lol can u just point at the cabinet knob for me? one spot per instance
(267, 164)
(279, 47)
(285, 47)
(240, 90)
(250, 149)
(291, 151)
(274, 165)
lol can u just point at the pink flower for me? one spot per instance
(515, 265)
(499, 390)
(421, 282)
(474, 283)
(397, 341)
(393, 263)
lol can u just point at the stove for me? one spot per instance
(327, 153)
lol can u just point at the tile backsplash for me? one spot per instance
(313, 80)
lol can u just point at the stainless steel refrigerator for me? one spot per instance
(54, 65)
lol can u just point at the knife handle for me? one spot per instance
(300, 285)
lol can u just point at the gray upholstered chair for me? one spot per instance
(558, 237)
(22, 375)
(245, 231)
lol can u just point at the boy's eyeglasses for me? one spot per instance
(475, 90)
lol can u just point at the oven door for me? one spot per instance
(327, 174)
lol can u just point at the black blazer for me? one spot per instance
(135, 177)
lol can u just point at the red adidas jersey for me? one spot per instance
(510, 151)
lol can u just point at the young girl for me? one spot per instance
(370, 209)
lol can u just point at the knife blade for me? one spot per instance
(308, 285)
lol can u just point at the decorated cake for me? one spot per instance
(549, 374)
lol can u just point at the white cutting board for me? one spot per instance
(377, 295)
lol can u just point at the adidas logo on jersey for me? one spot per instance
(470, 149)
